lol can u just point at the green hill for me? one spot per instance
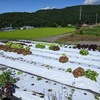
(51, 17)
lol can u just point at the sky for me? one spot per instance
(34, 5)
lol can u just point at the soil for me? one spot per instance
(73, 39)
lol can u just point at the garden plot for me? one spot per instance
(33, 87)
(44, 61)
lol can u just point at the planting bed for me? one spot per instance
(47, 78)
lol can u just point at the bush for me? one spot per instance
(84, 52)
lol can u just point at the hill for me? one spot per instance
(51, 17)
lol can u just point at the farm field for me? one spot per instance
(34, 33)
(44, 77)
(93, 31)
(86, 34)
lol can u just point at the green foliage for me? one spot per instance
(54, 47)
(3, 68)
(6, 77)
(51, 46)
(27, 48)
(42, 46)
(34, 33)
(63, 54)
(81, 32)
(96, 97)
(91, 74)
(52, 18)
(84, 52)
(91, 31)
(69, 70)
(74, 46)
(8, 44)
(39, 78)
(19, 73)
(16, 45)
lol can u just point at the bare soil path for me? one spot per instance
(54, 38)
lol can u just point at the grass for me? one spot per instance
(87, 34)
(76, 38)
(34, 33)
(92, 31)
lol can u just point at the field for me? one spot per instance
(85, 34)
(43, 77)
(91, 31)
(34, 33)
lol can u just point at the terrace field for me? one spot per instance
(34, 33)
(85, 34)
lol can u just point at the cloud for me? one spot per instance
(92, 2)
(47, 8)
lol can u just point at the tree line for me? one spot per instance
(52, 17)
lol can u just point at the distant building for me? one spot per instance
(26, 27)
(6, 28)
(69, 24)
(9, 29)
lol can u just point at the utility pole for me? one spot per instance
(79, 22)
(96, 18)
(80, 15)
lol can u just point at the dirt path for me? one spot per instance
(53, 38)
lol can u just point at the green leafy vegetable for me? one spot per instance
(84, 52)
(69, 70)
(91, 74)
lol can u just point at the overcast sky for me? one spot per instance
(34, 5)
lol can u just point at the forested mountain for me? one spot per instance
(51, 17)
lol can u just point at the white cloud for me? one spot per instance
(92, 2)
(47, 8)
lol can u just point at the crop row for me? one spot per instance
(93, 47)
